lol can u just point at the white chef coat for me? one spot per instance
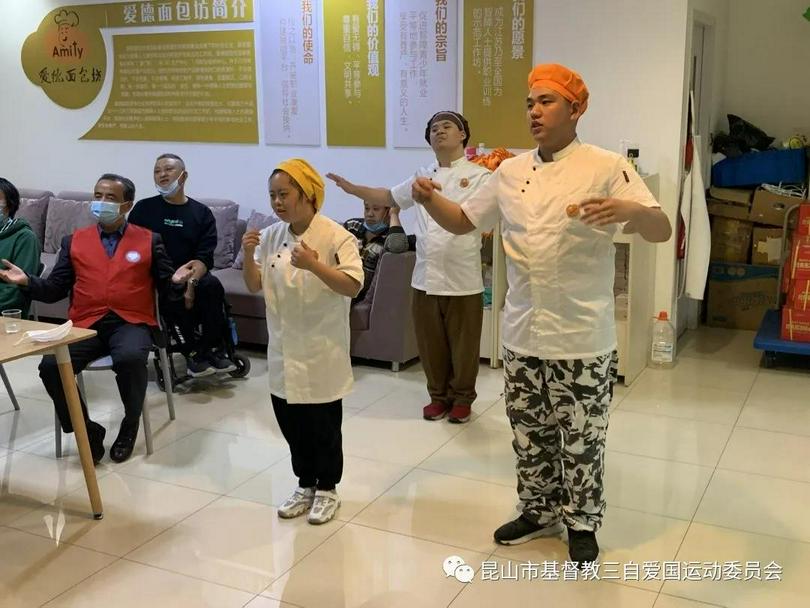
(559, 303)
(308, 324)
(446, 264)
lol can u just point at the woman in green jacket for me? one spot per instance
(18, 245)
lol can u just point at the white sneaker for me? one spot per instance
(324, 507)
(297, 504)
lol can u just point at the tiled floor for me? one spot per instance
(707, 462)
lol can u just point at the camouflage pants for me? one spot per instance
(559, 416)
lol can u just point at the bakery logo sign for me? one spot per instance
(67, 46)
(66, 56)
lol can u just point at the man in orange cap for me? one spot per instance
(559, 206)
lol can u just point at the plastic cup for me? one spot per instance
(11, 320)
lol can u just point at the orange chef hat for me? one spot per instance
(559, 78)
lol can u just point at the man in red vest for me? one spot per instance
(112, 269)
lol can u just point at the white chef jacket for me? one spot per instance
(559, 302)
(308, 324)
(446, 264)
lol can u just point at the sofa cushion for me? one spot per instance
(226, 214)
(49, 260)
(34, 210)
(360, 315)
(65, 217)
(34, 193)
(243, 303)
(75, 195)
(256, 221)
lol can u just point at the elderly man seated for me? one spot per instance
(111, 270)
(376, 232)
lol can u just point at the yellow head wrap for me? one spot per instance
(307, 177)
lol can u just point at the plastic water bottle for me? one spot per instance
(662, 353)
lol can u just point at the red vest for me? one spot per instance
(122, 284)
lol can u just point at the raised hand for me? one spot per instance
(423, 188)
(250, 240)
(341, 182)
(13, 274)
(304, 257)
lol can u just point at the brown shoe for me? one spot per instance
(460, 413)
(435, 410)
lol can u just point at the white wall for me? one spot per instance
(631, 55)
(715, 14)
(768, 58)
(47, 153)
(630, 52)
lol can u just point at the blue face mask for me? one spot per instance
(375, 227)
(106, 213)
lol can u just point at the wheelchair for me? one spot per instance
(176, 342)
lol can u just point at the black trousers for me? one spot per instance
(127, 344)
(207, 313)
(316, 444)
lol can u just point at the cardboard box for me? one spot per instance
(803, 220)
(731, 240)
(737, 211)
(795, 325)
(739, 294)
(799, 295)
(769, 208)
(734, 195)
(766, 246)
(799, 266)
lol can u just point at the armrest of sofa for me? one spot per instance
(390, 335)
(392, 289)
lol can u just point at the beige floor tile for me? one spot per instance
(778, 402)
(130, 585)
(33, 423)
(28, 482)
(716, 344)
(768, 453)
(34, 570)
(236, 543)
(482, 451)
(445, 509)
(209, 461)
(650, 395)
(363, 568)
(723, 374)
(754, 503)
(135, 510)
(655, 486)
(677, 439)
(711, 544)
(395, 432)
(669, 601)
(266, 602)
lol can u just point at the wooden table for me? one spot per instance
(9, 351)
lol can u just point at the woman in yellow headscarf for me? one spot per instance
(309, 268)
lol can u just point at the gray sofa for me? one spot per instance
(382, 328)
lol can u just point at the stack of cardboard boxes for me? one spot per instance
(746, 249)
(796, 282)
